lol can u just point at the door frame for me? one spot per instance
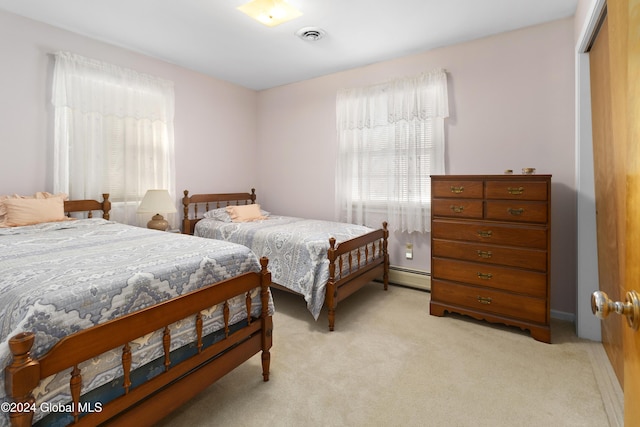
(587, 325)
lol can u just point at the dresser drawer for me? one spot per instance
(457, 189)
(516, 211)
(491, 254)
(457, 208)
(491, 276)
(485, 232)
(490, 301)
(521, 190)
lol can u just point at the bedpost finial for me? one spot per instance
(106, 206)
(20, 345)
(186, 193)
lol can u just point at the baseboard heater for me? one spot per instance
(410, 278)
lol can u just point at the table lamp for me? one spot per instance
(156, 201)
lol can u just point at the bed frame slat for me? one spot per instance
(75, 383)
(126, 367)
(199, 323)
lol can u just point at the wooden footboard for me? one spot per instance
(352, 264)
(154, 399)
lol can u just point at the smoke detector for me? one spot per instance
(310, 34)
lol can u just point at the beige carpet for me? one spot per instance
(389, 363)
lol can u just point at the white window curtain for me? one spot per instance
(113, 133)
(391, 139)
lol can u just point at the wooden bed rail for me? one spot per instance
(211, 201)
(89, 206)
(169, 389)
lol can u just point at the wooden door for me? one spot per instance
(615, 68)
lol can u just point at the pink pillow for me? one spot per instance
(33, 211)
(245, 213)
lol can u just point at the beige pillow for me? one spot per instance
(3, 209)
(33, 211)
(245, 213)
(38, 195)
(46, 195)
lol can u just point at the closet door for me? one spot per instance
(615, 86)
(610, 198)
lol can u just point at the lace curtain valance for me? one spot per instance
(91, 86)
(420, 97)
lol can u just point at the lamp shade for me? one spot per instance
(157, 201)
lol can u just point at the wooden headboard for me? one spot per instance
(89, 206)
(208, 202)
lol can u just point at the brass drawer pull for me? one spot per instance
(457, 209)
(483, 233)
(484, 300)
(515, 191)
(485, 276)
(457, 190)
(484, 254)
(515, 212)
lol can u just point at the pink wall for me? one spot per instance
(511, 104)
(215, 121)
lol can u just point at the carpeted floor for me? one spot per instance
(389, 363)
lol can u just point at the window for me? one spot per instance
(391, 139)
(113, 133)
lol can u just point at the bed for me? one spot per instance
(107, 323)
(322, 260)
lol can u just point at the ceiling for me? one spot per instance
(212, 37)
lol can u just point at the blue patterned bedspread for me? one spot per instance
(296, 248)
(59, 278)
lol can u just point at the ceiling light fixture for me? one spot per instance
(270, 12)
(310, 34)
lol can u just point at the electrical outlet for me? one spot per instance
(409, 251)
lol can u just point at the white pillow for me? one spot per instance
(219, 214)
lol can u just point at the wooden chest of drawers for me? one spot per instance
(490, 249)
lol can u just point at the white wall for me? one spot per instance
(215, 121)
(512, 106)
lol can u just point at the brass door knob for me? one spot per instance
(602, 306)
